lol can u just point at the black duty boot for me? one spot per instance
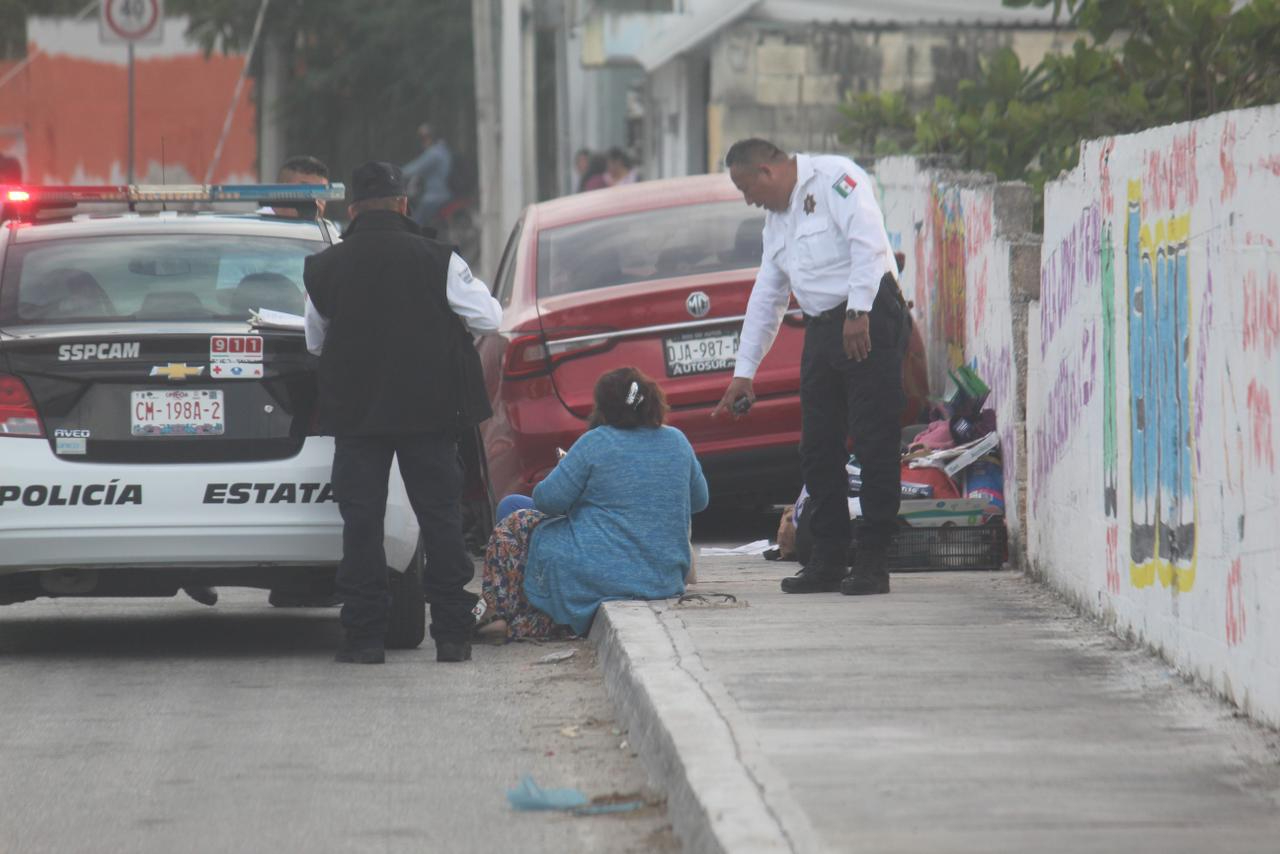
(350, 653)
(821, 574)
(453, 650)
(870, 573)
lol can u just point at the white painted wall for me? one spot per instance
(1153, 386)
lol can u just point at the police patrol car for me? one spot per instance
(151, 437)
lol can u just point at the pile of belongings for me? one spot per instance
(952, 473)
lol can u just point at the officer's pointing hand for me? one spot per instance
(857, 337)
(739, 387)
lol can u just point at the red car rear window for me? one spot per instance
(657, 244)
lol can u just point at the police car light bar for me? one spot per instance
(135, 193)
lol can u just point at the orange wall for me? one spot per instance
(70, 116)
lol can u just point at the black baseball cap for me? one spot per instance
(377, 179)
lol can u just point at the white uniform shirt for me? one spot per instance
(468, 297)
(829, 248)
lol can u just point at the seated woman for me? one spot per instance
(611, 521)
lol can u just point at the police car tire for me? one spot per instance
(407, 622)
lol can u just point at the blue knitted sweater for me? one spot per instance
(620, 504)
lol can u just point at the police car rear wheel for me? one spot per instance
(407, 623)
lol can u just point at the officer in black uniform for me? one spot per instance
(825, 243)
(386, 312)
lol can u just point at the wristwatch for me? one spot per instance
(854, 314)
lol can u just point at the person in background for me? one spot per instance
(611, 521)
(620, 169)
(389, 312)
(581, 160)
(303, 169)
(429, 173)
(595, 177)
(10, 170)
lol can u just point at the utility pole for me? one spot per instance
(129, 170)
(513, 157)
(490, 173)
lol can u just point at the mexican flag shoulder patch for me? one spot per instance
(844, 185)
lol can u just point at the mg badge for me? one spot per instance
(698, 304)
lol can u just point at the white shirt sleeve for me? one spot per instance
(470, 299)
(315, 326)
(859, 219)
(765, 310)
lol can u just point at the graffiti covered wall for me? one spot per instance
(1154, 357)
(960, 233)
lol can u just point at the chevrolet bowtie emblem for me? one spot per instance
(177, 370)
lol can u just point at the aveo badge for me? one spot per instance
(698, 304)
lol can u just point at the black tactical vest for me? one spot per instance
(389, 364)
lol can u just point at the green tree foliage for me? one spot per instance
(1138, 64)
(362, 74)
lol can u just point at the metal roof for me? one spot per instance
(674, 34)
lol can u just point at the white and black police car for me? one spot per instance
(152, 438)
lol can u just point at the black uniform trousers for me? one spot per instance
(433, 479)
(840, 397)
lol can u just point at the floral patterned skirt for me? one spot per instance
(502, 583)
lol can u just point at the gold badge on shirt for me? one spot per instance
(809, 204)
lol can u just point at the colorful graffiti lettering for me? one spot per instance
(1113, 559)
(1202, 349)
(1073, 265)
(1071, 393)
(947, 306)
(1162, 490)
(1110, 451)
(1259, 404)
(1227, 160)
(1235, 605)
(1261, 312)
(1171, 178)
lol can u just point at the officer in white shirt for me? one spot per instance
(825, 242)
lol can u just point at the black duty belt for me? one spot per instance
(837, 313)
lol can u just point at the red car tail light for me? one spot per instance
(526, 357)
(18, 415)
(530, 355)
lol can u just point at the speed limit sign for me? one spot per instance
(131, 21)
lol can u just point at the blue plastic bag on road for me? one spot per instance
(528, 795)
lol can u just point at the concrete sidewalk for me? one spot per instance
(965, 712)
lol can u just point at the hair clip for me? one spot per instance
(634, 396)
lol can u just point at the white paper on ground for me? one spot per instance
(759, 547)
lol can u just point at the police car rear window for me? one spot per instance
(175, 277)
(639, 247)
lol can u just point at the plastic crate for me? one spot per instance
(970, 547)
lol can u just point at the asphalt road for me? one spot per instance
(164, 726)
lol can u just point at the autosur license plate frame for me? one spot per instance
(198, 399)
(705, 365)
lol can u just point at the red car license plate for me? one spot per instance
(700, 352)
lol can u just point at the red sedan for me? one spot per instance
(654, 275)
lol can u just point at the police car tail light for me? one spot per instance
(18, 415)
